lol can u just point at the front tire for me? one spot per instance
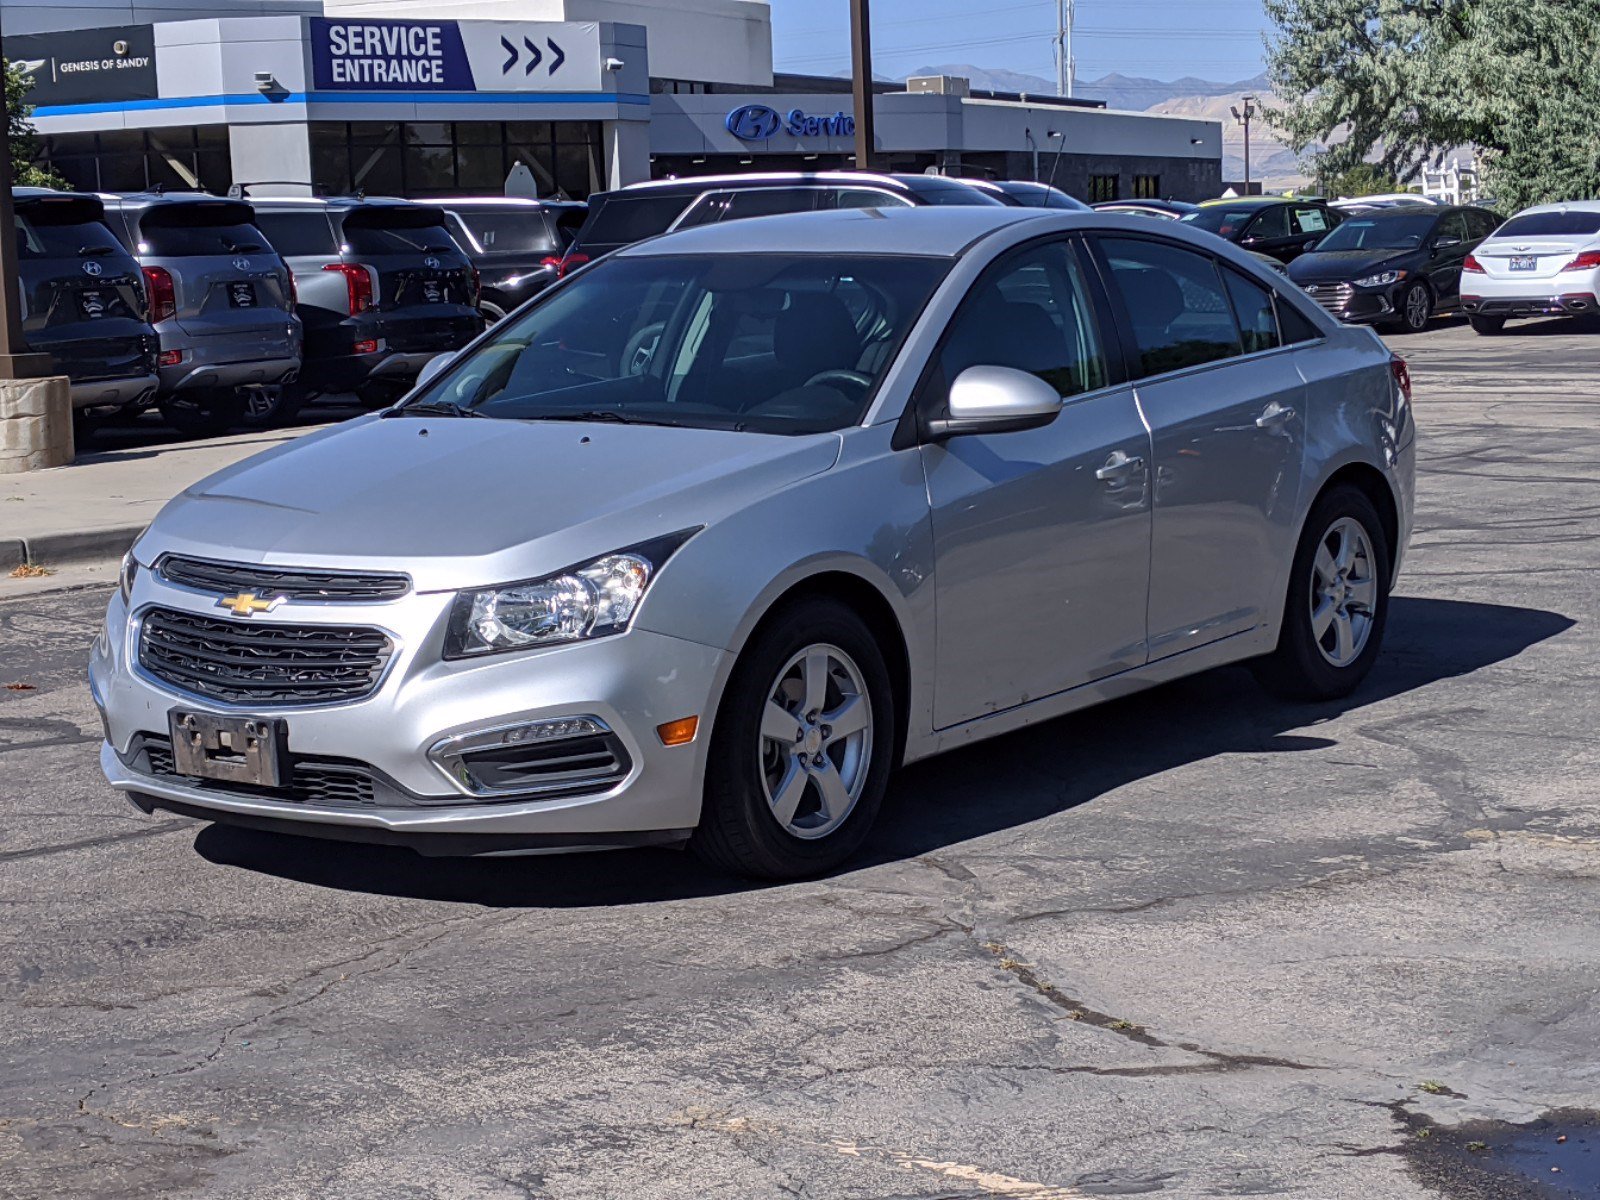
(1338, 602)
(802, 748)
(1487, 326)
(1416, 308)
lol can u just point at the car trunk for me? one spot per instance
(425, 290)
(1533, 258)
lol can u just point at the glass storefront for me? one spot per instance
(453, 158)
(135, 160)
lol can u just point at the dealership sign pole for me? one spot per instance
(15, 360)
(861, 70)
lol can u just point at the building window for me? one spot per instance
(1103, 187)
(1147, 187)
(421, 159)
(135, 160)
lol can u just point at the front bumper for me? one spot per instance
(632, 682)
(1356, 306)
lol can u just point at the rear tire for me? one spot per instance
(1337, 604)
(273, 407)
(1487, 326)
(784, 803)
(203, 413)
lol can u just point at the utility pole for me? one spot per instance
(1066, 13)
(1244, 118)
(861, 82)
(16, 362)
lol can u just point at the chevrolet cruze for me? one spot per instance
(707, 540)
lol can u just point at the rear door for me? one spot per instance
(1269, 233)
(227, 281)
(424, 288)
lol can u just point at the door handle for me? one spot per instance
(1119, 466)
(1274, 416)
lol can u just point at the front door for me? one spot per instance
(1041, 537)
(1226, 407)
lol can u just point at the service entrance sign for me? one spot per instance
(454, 56)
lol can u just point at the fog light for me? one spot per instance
(170, 358)
(543, 731)
(367, 346)
(678, 733)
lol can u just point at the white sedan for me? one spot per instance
(1545, 261)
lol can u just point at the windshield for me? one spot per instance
(764, 342)
(1222, 220)
(1380, 233)
(508, 231)
(1551, 224)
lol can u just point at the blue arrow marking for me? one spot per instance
(560, 55)
(535, 60)
(512, 61)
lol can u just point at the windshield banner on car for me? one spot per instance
(447, 56)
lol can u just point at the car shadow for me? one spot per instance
(999, 784)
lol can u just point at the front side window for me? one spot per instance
(1031, 313)
(1272, 223)
(766, 343)
(1175, 303)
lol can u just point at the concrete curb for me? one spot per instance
(71, 547)
(13, 553)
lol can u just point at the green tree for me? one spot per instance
(1403, 80)
(24, 140)
(1363, 179)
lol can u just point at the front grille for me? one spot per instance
(329, 784)
(247, 663)
(294, 584)
(1331, 296)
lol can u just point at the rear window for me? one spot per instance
(623, 220)
(38, 237)
(933, 190)
(1551, 224)
(1221, 220)
(188, 230)
(292, 233)
(381, 239)
(507, 231)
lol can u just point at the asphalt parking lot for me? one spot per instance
(1196, 943)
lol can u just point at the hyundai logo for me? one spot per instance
(431, 262)
(91, 268)
(754, 122)
(241, 264)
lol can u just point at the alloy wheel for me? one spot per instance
(816, 741)
(1418, 307)
(1344, 592)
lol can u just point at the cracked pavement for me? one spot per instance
(1193, 943)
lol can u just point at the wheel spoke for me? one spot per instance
(1363, 593)
(850, 717)
(778, 724)
(835, 799)
(1321, 618)
(1347, 551)
(1344, 638)
(786, 799)
(816, 679)
(1327, 569)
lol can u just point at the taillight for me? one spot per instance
(358, 285)
(158, 287)
(477, 283)
(551, 261)
(1589, 260)
(1472, 266)
(1402, 377)
(169, 358)
(570, 263)
(294, 290)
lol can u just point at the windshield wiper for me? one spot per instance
(434, 408)
(595, 414)
(95, 251)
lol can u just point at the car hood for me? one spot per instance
(457, 502)
(1338, 266)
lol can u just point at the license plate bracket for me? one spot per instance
(91, 304)
(1524, 262)
(242, 295)
(248, 750)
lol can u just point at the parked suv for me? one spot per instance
(1394, 266)
(82, 300)
(221, 300)
(1280, 228)
(641, 210)
(383, 287)
(515, 244)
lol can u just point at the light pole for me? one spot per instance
(861, 81)
(1244, 118)
(1066, 12)
(16, 362)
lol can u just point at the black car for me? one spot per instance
(1394, 265)
(1282, 228)
(631, 214)
(515, 244)
(1025, 193)
(83, 301)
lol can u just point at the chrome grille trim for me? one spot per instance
(292, 583)
(1333, 297)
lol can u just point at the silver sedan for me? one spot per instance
(704, 542)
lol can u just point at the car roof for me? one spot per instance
(1393, 212)
(1252, 201)
(1563, 206)
(450, 202)
(701, 183)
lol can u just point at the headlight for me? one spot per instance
(594, 600)
(126, 575)
(1382, 279)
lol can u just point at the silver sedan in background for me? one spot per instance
(716, 533)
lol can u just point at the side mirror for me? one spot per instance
(996, 400)
(1445, 241)
(431, 368)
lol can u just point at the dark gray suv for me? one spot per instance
(221, 300)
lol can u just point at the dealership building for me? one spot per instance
(445, 97)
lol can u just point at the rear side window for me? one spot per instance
(623, 220)
(862, 198)
(1177, 309)
(39, 237)
(383, 238)
(751, 202)
(1481, 222)
(1551, 224)
(506, 231)
(1295, 326)
(298, 233)
(1312, 220)
(1252, 305)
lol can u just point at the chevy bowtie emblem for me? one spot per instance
(248, 604)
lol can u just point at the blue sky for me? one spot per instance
(1162, 39)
